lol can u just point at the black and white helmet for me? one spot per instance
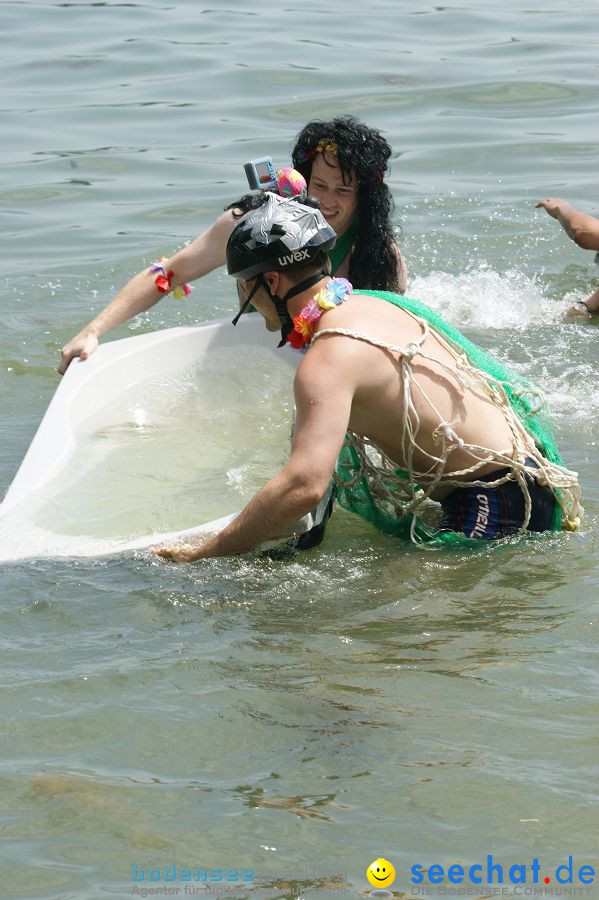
(280, 234)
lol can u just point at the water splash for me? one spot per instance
(486, 299)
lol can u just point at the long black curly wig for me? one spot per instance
(365, 152)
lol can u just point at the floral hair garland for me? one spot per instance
(163, 280)
(332, 148)
(323, 146)
(304, 325)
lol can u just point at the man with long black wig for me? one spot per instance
(344, 163)
(346, 153)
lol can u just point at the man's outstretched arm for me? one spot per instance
(203, 255)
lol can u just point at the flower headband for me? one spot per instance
(323, 146)
(331, 147)
(327, 147)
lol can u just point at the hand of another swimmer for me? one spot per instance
(551, 206)
(582, 309)
(577, 312)
(82, 345)
(178, 552)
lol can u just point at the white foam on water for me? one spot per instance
(484, 298)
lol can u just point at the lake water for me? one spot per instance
(298, 717)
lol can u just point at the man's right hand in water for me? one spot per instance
(82, 345)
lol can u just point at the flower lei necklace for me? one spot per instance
(335, 292)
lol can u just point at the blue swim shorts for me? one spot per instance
(496, 512)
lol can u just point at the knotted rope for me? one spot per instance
(404, 493)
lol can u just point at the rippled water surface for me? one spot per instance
(298, 716)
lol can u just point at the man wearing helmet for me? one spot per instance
(376, 370)
(344, 163)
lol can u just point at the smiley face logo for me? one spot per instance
(380, 873)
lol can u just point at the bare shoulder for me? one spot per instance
(325, 383)
(333, 360)
(372, 321)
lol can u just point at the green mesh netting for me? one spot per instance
(520, 392)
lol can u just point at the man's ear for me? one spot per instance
(273, 280)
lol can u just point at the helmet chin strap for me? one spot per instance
(281, 302)
(248, 300)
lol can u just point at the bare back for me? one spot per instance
(434, 397)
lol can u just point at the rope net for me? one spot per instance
(370, 484)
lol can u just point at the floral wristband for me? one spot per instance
(163, 280)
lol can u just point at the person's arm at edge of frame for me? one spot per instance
(580, 227)
(319, 433)
(590, 306)
(584, 231)
(204, 254)
(402, 269)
